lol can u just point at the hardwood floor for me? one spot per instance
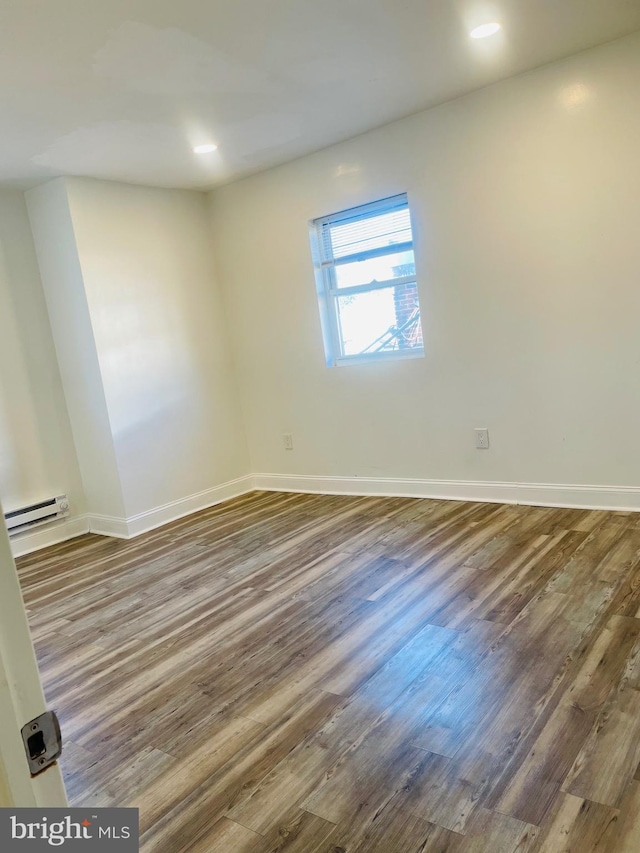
(319, 674)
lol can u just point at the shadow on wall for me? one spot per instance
(32, 408)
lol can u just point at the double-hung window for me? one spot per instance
(366, 278)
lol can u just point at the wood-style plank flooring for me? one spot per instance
(318, 674)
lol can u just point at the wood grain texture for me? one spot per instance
(316, 674)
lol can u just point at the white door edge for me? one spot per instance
(21, 697)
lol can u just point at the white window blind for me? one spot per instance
(367, 282)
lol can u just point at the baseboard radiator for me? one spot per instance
(28, 517)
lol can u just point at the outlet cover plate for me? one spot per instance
(482, 439)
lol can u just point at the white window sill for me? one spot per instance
(398, 355)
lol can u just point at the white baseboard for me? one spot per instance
(49, 534)
(145, 521)
(531, 494)
(127, 528)
(108, 525)
(625, 498)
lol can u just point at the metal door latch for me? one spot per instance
(42, 742)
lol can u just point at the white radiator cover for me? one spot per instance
(34, 515)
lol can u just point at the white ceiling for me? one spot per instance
(123, 89)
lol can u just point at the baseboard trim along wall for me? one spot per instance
(127, 528)
(624, 498)
(49, 534)
(108, 525)
(531, 494)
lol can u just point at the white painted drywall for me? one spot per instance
(75, 347)
(526, 204)
(37, 454)
(159, 338)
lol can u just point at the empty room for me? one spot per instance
(319, 422)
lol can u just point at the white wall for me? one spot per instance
(526, 204)
(161, 338)
(63, 285)
(132, 292)
(37, 454)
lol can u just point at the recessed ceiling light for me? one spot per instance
(485, 30)
(205, 149)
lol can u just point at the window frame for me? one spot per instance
(326, 280)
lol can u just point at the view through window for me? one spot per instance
(367, 276)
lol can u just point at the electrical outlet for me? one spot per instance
(287, 439)
(482, 439)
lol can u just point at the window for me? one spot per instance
(366, 278)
